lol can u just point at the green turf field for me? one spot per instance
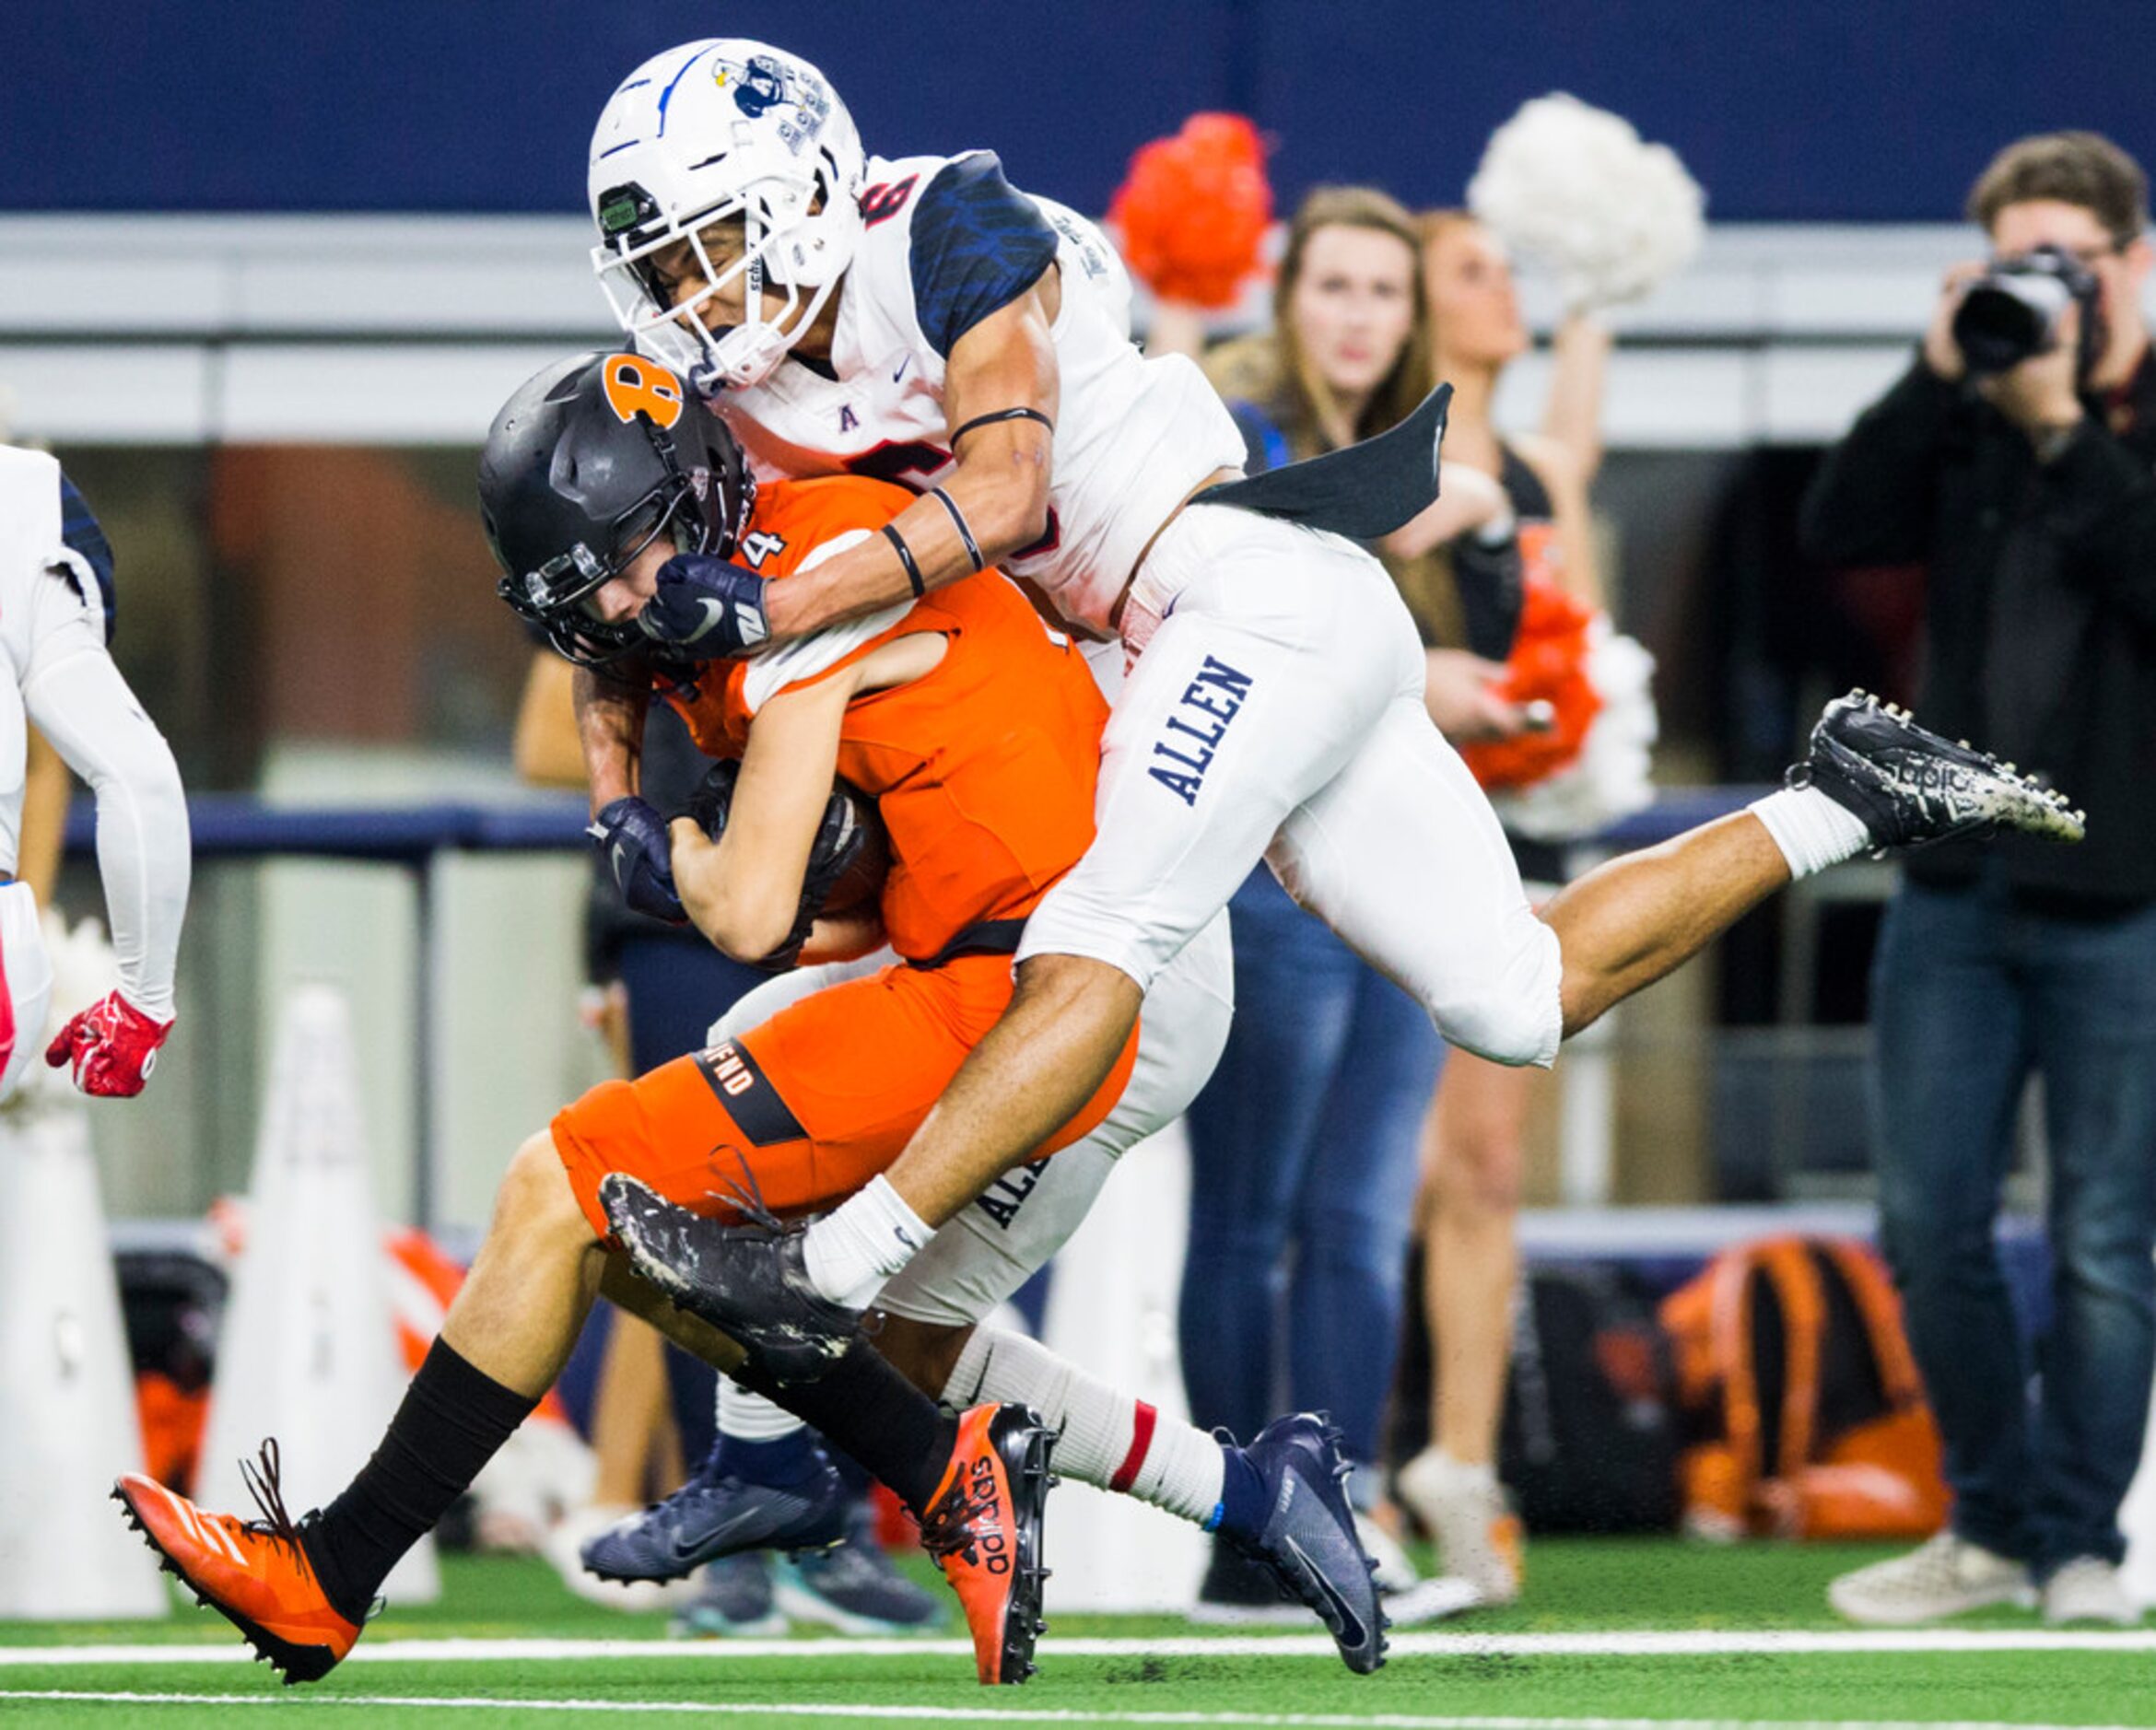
(1614, 1632)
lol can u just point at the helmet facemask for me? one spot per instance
(700, 511)
(796, 238)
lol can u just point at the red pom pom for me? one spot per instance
(1548, 664)
(1194, 208)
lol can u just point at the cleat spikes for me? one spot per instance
(1910, 787)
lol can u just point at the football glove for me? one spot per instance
(113, 1046)
(631, 836)
(841, 836)
(706, 608)
(712, 804)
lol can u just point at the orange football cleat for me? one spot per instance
(983, 1529)
(253, 1573)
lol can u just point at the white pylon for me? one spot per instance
(1111, 1310)
(67, 1416)
(308, 1352)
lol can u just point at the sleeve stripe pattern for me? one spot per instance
(977, 245)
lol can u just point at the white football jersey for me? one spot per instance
(55, 672)
(1132, 435)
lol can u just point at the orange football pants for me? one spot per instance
(806, 1107)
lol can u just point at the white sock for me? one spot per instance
(751, 1417)
(1812, 830)
(861, 1244)
(1106, 1439)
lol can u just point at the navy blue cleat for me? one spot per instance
(714, 1516)
(1308, 1542)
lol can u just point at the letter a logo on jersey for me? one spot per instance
(635, 386)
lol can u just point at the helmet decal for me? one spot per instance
(762, 83)
(636, 386)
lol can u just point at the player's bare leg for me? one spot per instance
(1629, 921)
(300, 1590)
(1068, 1021)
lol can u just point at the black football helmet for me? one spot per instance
(590, 461)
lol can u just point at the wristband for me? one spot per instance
(905, 558)
(1001, 414)
(965, 533)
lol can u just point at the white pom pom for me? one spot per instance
(1575, 189)
(1612, 778)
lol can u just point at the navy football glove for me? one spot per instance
(631, 835)
(706, 608)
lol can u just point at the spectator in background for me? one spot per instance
(2031, 494)
(1469, 1207)
(1304, 1142)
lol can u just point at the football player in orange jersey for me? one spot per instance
(977, 730)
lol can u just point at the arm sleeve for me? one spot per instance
(2100, 505)
(1872, 499)
(977, 245)
(78, 700)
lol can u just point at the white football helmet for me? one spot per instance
(711, 131)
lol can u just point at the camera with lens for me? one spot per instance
(2013, 310)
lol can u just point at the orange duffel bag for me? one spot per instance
(1804, 1414)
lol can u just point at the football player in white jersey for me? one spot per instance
(56, 610)
(920, 320)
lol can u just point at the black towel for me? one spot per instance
(1364, 492)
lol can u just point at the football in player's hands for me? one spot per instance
(852, 855)
(112, 1046)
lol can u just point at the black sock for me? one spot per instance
(865, 1407)
(453, 1419)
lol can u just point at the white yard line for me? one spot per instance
(1641, 1643)
(984, 1714)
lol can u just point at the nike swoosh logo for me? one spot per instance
(901, 372)
(620, 858)
(688, 1542)
(714, 615)
(1350, 1627)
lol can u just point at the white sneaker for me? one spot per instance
(1943, 1576)
(1465, 1509)
(2088, 1589)
(1395, 1571)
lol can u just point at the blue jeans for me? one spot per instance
(1303, 1154)
(1972, 992)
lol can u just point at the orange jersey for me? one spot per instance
(982, 770)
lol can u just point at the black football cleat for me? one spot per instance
(749, 1282)
(1308, 1543)
(1910, 787)
(712, 1517)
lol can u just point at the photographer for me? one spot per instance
(2017, 459)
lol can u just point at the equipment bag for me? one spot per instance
(1804, 1413)
(1590, 1433)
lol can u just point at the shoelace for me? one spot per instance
(746, 1196)
(262, 1484)
(947, 1528)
